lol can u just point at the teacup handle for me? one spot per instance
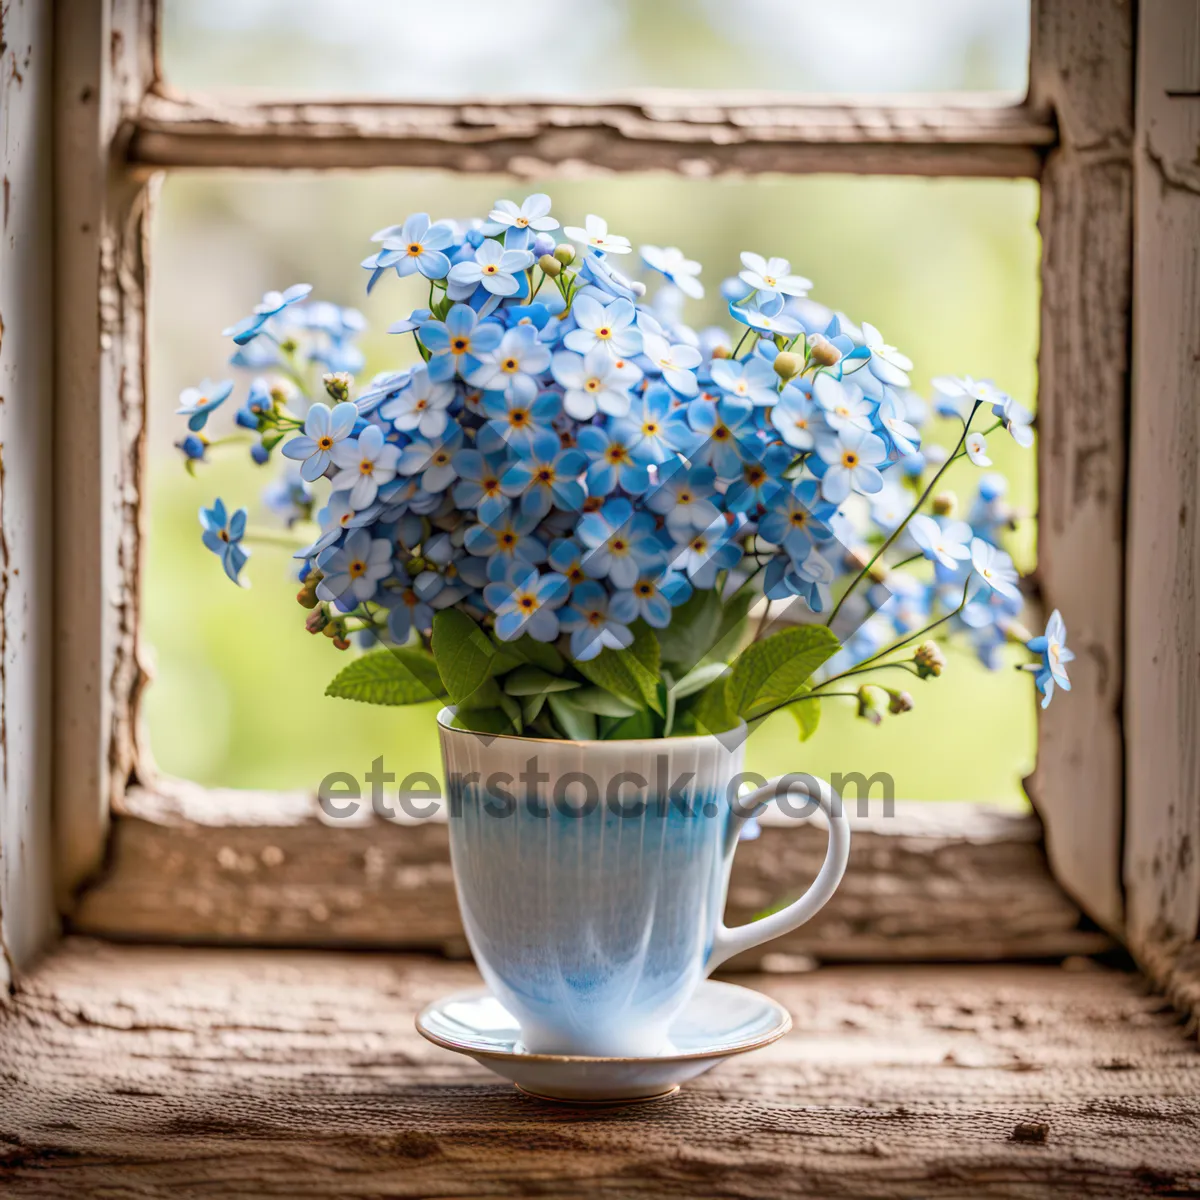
(728, 942)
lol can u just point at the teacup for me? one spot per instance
(592, 877)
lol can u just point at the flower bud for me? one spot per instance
(543, 243)
(899, 702)
(565, 253)
(722, 352)
(318, 619)
(306, 597)
(929, 659)
(288, 346)
(337, 385)
(550, 265)
(867, 708)
(340, 643)
(945, 504)
(637, 287)
(335, 629)
(822, 351)
(787, 365)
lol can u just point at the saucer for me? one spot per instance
(719, 1021)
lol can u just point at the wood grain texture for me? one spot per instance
(1162, 700)
(1082, 67)
(934, 881)
(27, 916)
(161, 1073)
(699, 135)
(104, 62)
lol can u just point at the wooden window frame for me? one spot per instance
(143, 857)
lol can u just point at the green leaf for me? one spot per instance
(640, 725)
(530, 680)
(531, 707)
(482, 720)
(732, 626)
(391, 676)
(463, 653)
(808, 716)
(603, 703)
(712, 711)
(697, 679)
(540, 654)
(633, 673)
(769, 673)
(693, 630)
(578, 725)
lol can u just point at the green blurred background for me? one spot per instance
(947, 269)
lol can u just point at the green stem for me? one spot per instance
(912, 637)
(903, 524)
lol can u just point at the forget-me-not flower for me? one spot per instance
(596, 236)
(594, 382)
(324, 428)
(673, 264)
(1052, 646)
(492, 266)
(196, 403)
(366, 463)
(456, 344)
(592, 624)
(771, 277)
(223, 533)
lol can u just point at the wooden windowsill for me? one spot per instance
(176, 1071)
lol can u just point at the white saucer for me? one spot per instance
(721, 1020)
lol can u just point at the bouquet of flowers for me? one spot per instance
(575, 516)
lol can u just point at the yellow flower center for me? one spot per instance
(325, 443)
(490, 269)
(357, 568)
(522, 222)
(604, 332)
(460, 345)
(591, 385)
(415, 249)
(849, 458)
(366, 467)
(509, 365)
(528, 602)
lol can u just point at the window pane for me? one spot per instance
(405, 49)
(947, 269)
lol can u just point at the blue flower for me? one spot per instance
(797, 520)
(766, 317)
(197, 403)
(1018, 420)
(545, 475)
(507, 539)
(271, 305)
(524, 602)
(723, 426)
(676, 363)
(566, 557)
(596, 237)
(772, 277)
(478, 488)
(611, 326)
(259, 403)
(595, 382)
(517, 416)
(415, 246)
(421, 406)
(752, 379)
(591, 624)
(354, 569)
(893, 417)
(707, 552)
(797, 418)
(651, 598)
(681, 496)
(407, 611)
(995, 568)
(457, 343)
(620, 543)
(946, 543)
(760, 483)
(611, 461)
(886, 362)
(324, 428)
(366, 462)
(223, 535)
(849, 463)
(435, 460)
(810, 578)
(492, 266)
(843, 404)
(193, 447)
(534, 213)
(660, 429)
(672, 263)
(517, 360)
(1052, 646)
(289, 497)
